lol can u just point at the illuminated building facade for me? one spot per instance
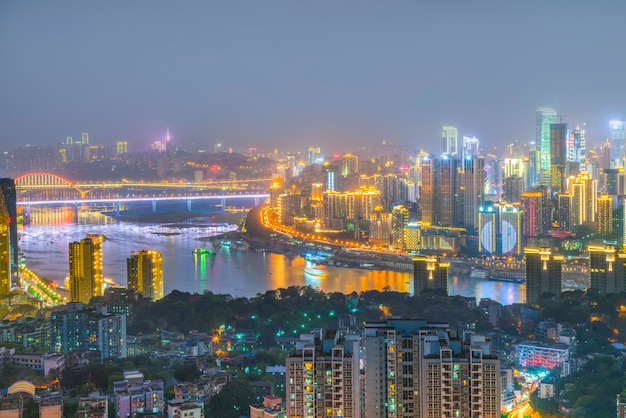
(607, 269)
(577, 146)
(513, 189)
(419, 369)
(350, 206)
(429, 273)
(399, 223)
(323, 376)
(605, 215)
(442, 192)
(145, 273)
(559, 134)
(617, 138)
(460, 377)
(471, 146)
(548, 356)
(534, 223)
(584, 191)
(380, 227)
(5, 249)
(545, 117)
(122, 147)
(565, 211)
(413, 237)
(85, 274)
(487, 228)
(7, 186)
(543, 273)
(349, 165)
(511, 224)
(473, 189)
(450, 140)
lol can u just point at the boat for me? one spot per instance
(312, 269)
(480, 274)
(203, 252)
(507, 279)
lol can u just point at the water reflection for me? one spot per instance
(45, 244)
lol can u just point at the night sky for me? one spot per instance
(295, 74)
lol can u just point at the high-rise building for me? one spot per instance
(399, 223)
(145, 273)
(584, 191)
(460, 377)
(85, 138)
(429, 273)
(545, 117)
(85, 268)
(5, 249)
(76, 328)
(617, 138)
(429, 204)
(349, 165)
(313, 154)
(414, 368)
(449, 192)
(470, 147)
(473, 189)
(450, 140)
(605, 215)
(532, 203)
(607, 269)
(7, 186)
(577, 146)
(323, 376)
(122, 148)
(513, 189)
(510, 233)
(559, 135)
(564, 214)
(543, 273)
(488, 228)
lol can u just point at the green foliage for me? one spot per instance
(233, 401)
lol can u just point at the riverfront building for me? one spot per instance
(7, 187)
(323, 377)
(85, 268)
(5, 249)
(543, 273)
(145, 273)
(429, 273)
(607, 269)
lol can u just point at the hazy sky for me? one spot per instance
(294, 74)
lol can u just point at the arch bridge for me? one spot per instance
(42, 186)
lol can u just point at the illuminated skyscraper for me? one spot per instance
(85, 269)
(399, 223)
(545, 117)
(617, 137)
(122, 148)
(349, 165)
(470, 146)
(449, 192)
(85, 138)
(532, 203)
(543, 273)
(577, 146)
(145, 273)
(510, 233)
(5, 249)
(473, 189)
(584, 191)
(559, 134)
(450, 140)
(605, 215)
(513, 188)
(565, 211)
(7, 186)
(607, 269)
(487, 228)
(429, 272)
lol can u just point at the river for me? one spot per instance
(44, 244)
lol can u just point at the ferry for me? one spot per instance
(480, 274)
(312, 269)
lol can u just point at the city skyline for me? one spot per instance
(325, 74)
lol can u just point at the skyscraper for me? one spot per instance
(545, 117)
(7, 186)
(5, 249)
(450, 140)
(617, 138)
(559, 134)
(429, 272)
(85, 269)
(473, 189)
(323, 376)
(145, 274)
(470, 146)
(543, 273)
(605, 215)
(606, 269)
(577, 146)
(399, 223)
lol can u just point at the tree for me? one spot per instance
(233, 401)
